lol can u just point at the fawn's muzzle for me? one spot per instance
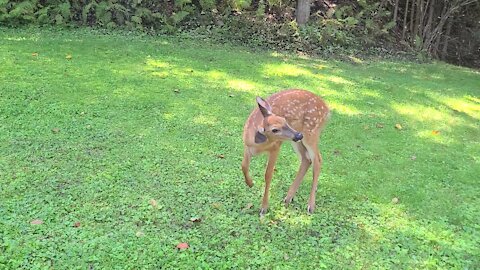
(298, 137)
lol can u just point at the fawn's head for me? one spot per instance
(274, 127)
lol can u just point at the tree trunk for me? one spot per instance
(421, 17)
(412, 20)
(302, 12)
(433, 42)
(428, 26)
(405, 23)
(395, 12)
(447, 38)
(416, 24)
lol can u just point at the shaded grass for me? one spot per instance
(94, 138)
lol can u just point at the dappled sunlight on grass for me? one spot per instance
(393, 227)
(425, 114)
(241, 85)
(343, 109)
(216, 75)
(151, 63)
(291, 217)
(326, 92)
(163, 69)
(371, 93)
(281, 70)
(436, 125)
(123, 92)
(339, 80)
(467, 104)
(205, 120)
(436, 136)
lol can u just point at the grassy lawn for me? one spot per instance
(123, 147)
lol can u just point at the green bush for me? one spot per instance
(270, 25)
(131, 14)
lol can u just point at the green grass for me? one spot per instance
(93, 139)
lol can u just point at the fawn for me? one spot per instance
(291, 115)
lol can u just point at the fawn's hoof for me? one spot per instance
(310, 209)
(287, 201)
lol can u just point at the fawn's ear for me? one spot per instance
(260, 136)
(264, 107)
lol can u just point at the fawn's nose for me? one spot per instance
(298, 137)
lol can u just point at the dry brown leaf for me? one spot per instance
(248, 206)
(36, 222)
(68, 57)
(195, 219)
(398, 126)
(216, 205)
(435, 132)
(182, 246)
(153, 203)
(34, 54)
(76, 224)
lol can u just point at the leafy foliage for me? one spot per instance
(401, 25)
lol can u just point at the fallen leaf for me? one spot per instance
(286, 257)
(248, 206)
(139, 234)
(55, 130)
(221, 156)
(398, 126)
(195, 219)
(153, 203)
(36, 222)
(68, 57)
(34, 54)
(435, 132)
(183, 246)
(379, 125)
(176, 91)
(413, 157)
(76, 224)
(395, 200)
(216, 205)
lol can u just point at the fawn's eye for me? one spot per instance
(275, 130)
